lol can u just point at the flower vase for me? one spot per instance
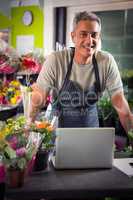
(41, 161)
(16, 178)
(26, 96)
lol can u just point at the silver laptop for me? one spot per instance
(80, 148)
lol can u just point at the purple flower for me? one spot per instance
(21, 151)
(120, 142)
(13, 142)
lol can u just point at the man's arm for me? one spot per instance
(120, 104)
(38, 100)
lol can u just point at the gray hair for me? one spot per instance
(85, 16)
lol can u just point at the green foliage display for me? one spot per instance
(106, 109)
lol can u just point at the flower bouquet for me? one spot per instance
(32, 62)
(17, 149)
(9, 60)
(10, 93)
(46, 131)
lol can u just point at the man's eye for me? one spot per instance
(86, 34)
(94, 35)
(83, 35)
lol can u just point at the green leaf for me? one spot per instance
(29, 153)
(22, 163)
(10, 152)
(130, 133)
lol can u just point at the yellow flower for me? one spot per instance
(6, 131)
(15, 83)
(50, 128)
(17, 93)
(10, 89)
(13, 100)
(2, 135)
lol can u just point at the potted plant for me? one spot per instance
(16, 150)
(127, 76)
(127, 150)
(107, 114)
(46, 130)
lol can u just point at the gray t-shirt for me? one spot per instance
(55, 68)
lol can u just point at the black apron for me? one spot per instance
(75, 107)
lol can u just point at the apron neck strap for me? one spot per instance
(95, 65)
(69, 70)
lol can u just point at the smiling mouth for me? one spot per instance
(90, 47)
(93, 46)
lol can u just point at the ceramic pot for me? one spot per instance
(41, 160)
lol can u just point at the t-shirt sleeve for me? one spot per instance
(113, 81)
(46, 78)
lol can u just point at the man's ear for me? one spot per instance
(73, 36)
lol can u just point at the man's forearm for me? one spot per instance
(38, 100)
(126, 121)
(36, 105)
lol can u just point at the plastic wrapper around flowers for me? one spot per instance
(33, 139)
(17, 148)
(26, 98)
(32, 61)
(46, 145)
(9, 59)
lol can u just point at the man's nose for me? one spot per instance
(89, 37)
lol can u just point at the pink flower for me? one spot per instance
(21, 151)
(32, 64)
(49, 99)
(2, 173)
(7, 69)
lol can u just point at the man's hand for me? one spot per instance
(38, 100)
(120, 104)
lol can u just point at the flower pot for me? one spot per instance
(2, 191)
(16, 178)
(41, 161)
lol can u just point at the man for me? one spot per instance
(79, 76)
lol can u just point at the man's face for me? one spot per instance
(86, 37)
